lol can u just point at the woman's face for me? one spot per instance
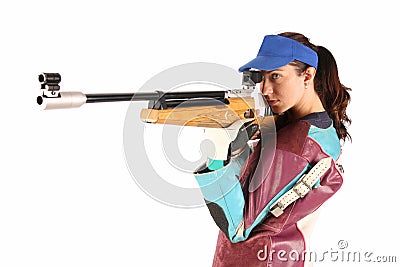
(283, 88)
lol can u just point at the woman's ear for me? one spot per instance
(309, 74)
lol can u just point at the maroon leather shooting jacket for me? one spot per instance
(250, 235)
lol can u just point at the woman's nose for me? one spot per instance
(266, 88)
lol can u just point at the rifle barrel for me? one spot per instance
(148, 96)
(157, 99)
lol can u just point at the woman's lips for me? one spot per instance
(272, 102)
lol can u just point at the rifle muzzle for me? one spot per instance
(64, 100)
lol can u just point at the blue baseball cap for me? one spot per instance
(277, 51)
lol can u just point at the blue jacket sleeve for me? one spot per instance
(223, 195)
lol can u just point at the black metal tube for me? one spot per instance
(94, 98)
(196, 94)
(147, 96)
(196, 102)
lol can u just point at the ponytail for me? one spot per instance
(333, 95)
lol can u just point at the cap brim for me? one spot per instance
(266, 63)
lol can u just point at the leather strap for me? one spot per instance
(304, 185)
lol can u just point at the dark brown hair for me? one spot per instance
(333, 95)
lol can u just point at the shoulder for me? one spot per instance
(323, 133)
(293, 137)
(327, 139)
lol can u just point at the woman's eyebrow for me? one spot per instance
(269, 71)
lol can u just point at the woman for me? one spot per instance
(271, 224)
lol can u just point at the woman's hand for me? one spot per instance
(234, 137)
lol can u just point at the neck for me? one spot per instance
(310, 103)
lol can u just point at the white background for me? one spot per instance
(66, 196)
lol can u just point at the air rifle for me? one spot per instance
(215, 109)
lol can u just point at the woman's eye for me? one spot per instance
(275, 76)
